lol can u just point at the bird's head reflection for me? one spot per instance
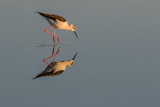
(56, 68)
(70, 63)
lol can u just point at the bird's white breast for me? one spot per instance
(58, 24)
(60, 66)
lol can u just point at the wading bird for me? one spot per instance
(56, 68)
(58, 22)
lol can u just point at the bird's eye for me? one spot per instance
(74, 27)
(72, 63)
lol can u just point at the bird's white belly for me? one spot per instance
(58, 24)
(60, 66)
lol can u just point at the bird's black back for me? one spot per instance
(53, 16)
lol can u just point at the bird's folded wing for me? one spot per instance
(53, 16)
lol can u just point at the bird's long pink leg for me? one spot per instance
(56, 36)
(46, 30)
(55, 54)
(51, 56)
(44, 60)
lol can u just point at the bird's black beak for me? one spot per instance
(75, 34)
(75, 56)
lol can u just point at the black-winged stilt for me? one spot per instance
(56, 68)
(58, 22)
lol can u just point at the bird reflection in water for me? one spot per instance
(56, 68)
(53, 55)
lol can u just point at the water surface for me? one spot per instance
(118, 54)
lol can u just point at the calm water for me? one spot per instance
(118, 54)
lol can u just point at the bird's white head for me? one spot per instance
(72, 27)
(70, 63)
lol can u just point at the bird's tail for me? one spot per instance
(36, 77)
(46, 16)
(42, 14)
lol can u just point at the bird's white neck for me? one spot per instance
(68, 63)
(69, 27)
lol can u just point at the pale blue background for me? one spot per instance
(118, 61)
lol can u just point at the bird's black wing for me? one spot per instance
(49, 71)
(53, 16)
(52, 73)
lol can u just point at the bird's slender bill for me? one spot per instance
(75, 56)
(76, 34)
